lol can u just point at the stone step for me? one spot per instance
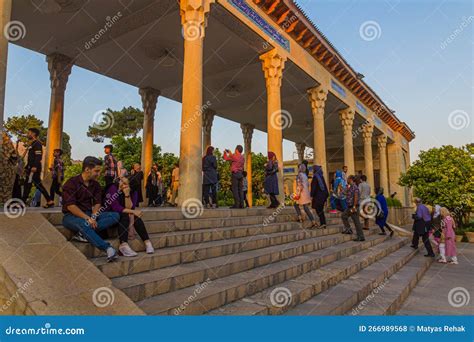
(399, 286)
(340, 298)
(212, 294)
(278, 299)
(143, 285)
(189, 252)
(199, 224)
(173, 214)
(288, 232)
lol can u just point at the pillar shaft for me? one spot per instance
(382, 144)
(300, 148)
(318, 97)
(347, 121)
(367, 133)
(59, 69)
(149, 99)
(5, 14)
(273, 64)
(193, 19)
(247, 132)
(207, 121)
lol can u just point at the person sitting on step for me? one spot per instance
(122, 197)
(83, 212)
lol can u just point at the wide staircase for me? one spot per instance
(259, 262)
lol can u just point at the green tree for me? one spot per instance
(126, 122)
(129, 150)
(17, 126)
(258, 174)
(444, 176)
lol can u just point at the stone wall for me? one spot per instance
(400, 216)
(41, 273)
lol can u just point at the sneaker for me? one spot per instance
(127, 251)
(442, 261)
(333, 211)
(79, 237)
(112, 254)
(149, 247)
(454, 262)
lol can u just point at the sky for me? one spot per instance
(416, 54)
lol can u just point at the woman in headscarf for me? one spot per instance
(302, 196)
(271, 179)
(436, 219)
(382, 214)
(154, 187)
(209, 181)
(339, 191)
(319, 193)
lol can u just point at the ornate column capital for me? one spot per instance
(300, 148)
(347, 118)
(317, 98)
(149, 99)
(273, 65)
(382, 142)
(247, 132)
(367, 132)
(59, 67)
(194, 15)
(207, 120)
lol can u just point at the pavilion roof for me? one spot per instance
(302, 29)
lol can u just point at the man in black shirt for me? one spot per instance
(33, 168)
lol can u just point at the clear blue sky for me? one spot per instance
(413, 64)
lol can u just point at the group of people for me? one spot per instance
(90, 209)
(435, 227)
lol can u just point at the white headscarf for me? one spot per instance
(437, 211)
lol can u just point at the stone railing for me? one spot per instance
(400, 216)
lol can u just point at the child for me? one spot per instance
(447, 246)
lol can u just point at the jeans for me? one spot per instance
(355, 218)
(36, 181)
(137, 224)
(307, 210)
(237, 186)
(105, 220)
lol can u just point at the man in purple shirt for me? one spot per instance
(421, 227)
(82, 207)
(237, 168)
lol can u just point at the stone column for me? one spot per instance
(367, 132)
(347, 121)
(207, 120)
(194, 15)
(5, 14)
(382, 143)
(317, 98)
(59, 70)
(273, 64)
(149, 99)
(247, 132)
(300, 147)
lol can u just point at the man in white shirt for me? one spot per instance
(364, 190)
